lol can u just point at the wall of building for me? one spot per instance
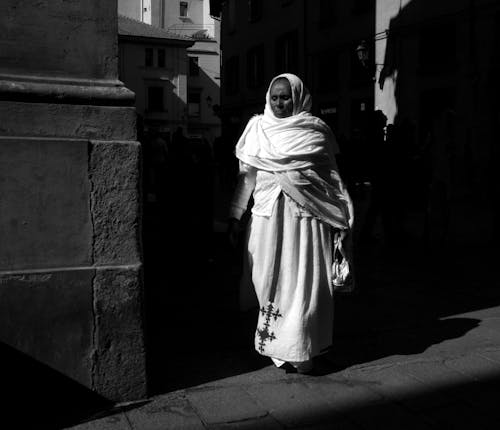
(70, 280)
(341, 86)
(194, 21)
(435, 64)
(130, 8)
(235, 40)
(206, 32)
(207, 84)
(172, 77)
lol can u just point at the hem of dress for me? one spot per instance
(295, 360)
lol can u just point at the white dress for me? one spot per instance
(289, 261)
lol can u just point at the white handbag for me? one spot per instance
(342, 270)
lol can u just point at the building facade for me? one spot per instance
(190, 19)
(435, 69)
(420, 62)
(154, 64)
(315, 40)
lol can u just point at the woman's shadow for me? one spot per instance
(401, 308)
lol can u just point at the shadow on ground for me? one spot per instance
(34, 396)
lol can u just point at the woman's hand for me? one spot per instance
(233, 231)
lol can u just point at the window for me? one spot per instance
(287, 53)
(232, 75)
(254, 10)
(148, 60)
(255, 67)
(155, 99)
(194, 68)
(161, 57)
(327, 14)
(194, 104)
(183, 9)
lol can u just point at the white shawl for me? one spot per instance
(295, 142)
(294, 149)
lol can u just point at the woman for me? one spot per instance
(287, 162)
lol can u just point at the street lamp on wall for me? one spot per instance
(209, 101)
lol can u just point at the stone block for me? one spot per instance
(59, 37)
(49, 317)
(433, 373)
(344, 395)
(493, 355)
(392, 383)
(224, 405)
(114, 422)
(263, 423)
(119, 354)
(161, 414)
(293, 404)
(44, 205)
(67, 121)
(115, 196)
(474, 366)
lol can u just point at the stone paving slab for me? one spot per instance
(343, 395)
(114, 422)
(165, 413)
(493, 355)
(492, 323)
(439, 380)
(457, 346)
(263, 423)
(475, 366)
(223, 405)
(393, 384)
(390, 416)
(493, 312)
(293, 404)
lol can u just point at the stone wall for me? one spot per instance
(70, 253)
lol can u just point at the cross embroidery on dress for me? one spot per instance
(265, 334)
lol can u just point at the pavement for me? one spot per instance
(416, 347)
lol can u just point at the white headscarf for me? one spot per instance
(296, 142)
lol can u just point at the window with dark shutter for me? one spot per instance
(287, 53)
(155, 99)
(161, 57)
(194, 68)
(255, 67)
(148, 58)
(183, 9)
(232, 75)
(194, 104)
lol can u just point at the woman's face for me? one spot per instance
(281, 98)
